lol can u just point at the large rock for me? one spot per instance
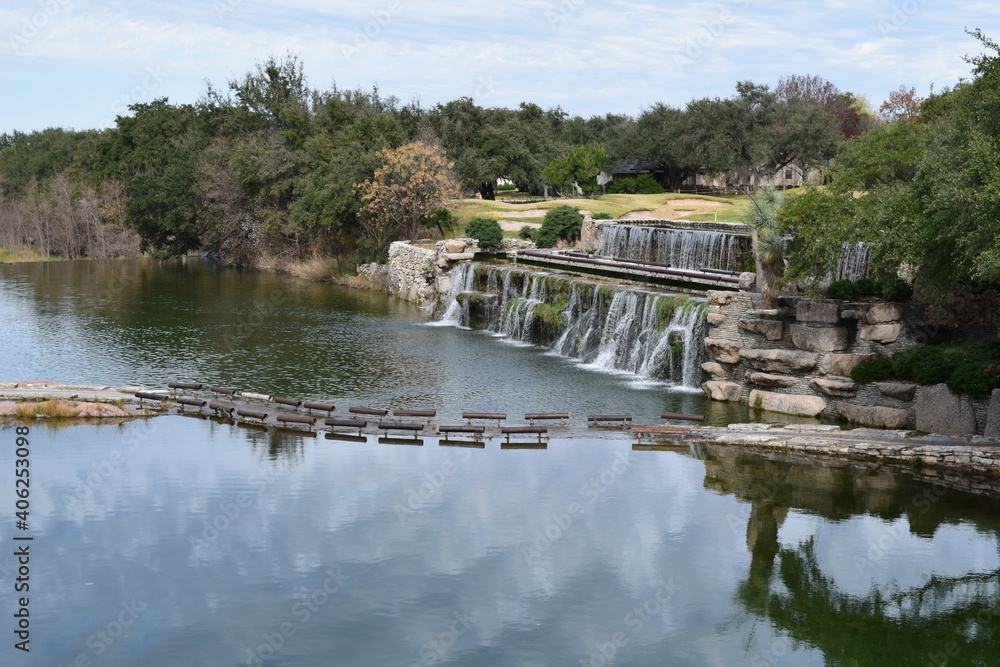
(993, 418)
(879, 333)
(819, 339)
(719, 297)
(769, 380)
(723, 391)
(780, 361)
(820, 312)
(899, 390)
(832, 386)
(938, 410)
(455, 246)
(789, 404)
(459, 256)
(878, 417)
(747, 281)
(725, 351)
(715, 319)
(769, 329)
(717, 370)
(880, 313)
(841, 364)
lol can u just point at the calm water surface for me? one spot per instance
(181, 541)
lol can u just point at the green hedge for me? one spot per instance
(560, 222)
(970, 367)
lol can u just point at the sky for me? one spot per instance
(80, 63)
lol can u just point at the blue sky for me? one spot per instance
(79, 63)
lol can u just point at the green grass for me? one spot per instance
(25, 254)
(724, 215)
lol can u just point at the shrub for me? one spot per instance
(895, 289)
(527, 233)
(970, 367)
(507, 187)
(873, 370)
(866, 287)
(842, 290)
(624, 186)
(647, 185)
(486, 230)
(560, 222)
(602, 216)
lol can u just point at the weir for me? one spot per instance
(680, 248)
(651, 334)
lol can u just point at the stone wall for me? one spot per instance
(797, 359)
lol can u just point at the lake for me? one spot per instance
(178, 540)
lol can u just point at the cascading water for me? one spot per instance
(651, 335)
(680, 248)
(854, 261)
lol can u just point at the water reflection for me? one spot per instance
(924, 611)
(551, 557)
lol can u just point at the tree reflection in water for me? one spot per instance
(946, 620)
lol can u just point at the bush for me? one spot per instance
(873, 370)
(527, 233)
(895, 289)
(507, 187)
(486, 230)
(866, 287)
(842, 290)
(643, 184)
(602, 216)
(970, 367)
(560, 222)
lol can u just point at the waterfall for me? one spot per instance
(853, 262)
(648, 334)
(457, 312)
(680, 248)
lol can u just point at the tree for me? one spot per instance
(560, 222)
(925, 195)
(582, 166)
(414, 181)
(902, 104)
(761, 213)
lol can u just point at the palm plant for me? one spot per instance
(761, 214)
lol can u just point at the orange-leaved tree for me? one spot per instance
(413, 182)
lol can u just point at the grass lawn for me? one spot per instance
(23, 254)
(616, 205)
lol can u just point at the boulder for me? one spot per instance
(898, 390)
(819, 312)
(819, 339)
(879, 333)
(789, 404)
(769, 380)
(455, 246)
(833, 386)
(715, 319)
(723, 391)
(940, 411)
(853, 314)
(880, 313)
(717, 370)
(725, 351)
(780, 361)
(841, 364)
(877, 417)
(993, 417)
(747, 281)
(769, 329)
(719, 297)
(459, 256)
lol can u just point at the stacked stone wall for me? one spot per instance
(797, 359)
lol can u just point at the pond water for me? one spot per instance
(182, 541)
